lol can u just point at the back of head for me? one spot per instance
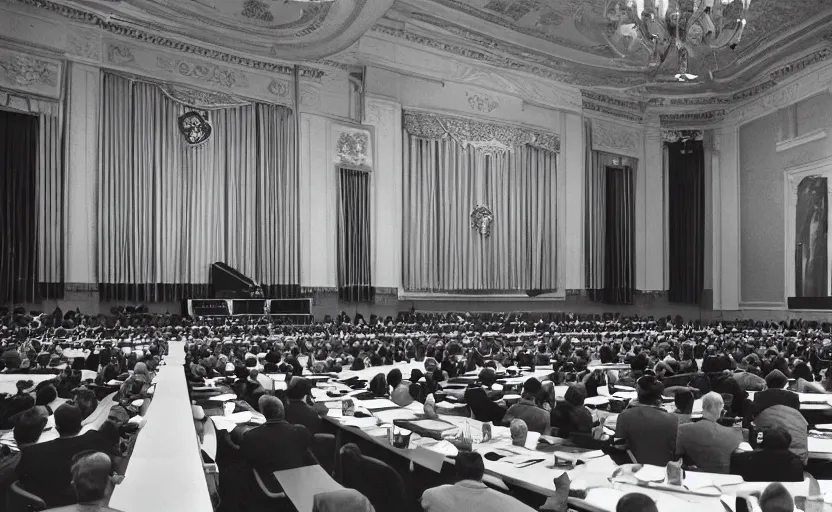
(531, 387)
(394, 377)
(298, 388)
(775, 438)
(469, 466)
(29, 424)
(575, 394)
(271, 407)
(684, 401)
(712, 405)
(378, 385)
(636, 502)
(776, 380)
(68, 420)
(487, 377)
(776, 498)
(46, 395)
(86, 401)
(649, 389)
(91, 477)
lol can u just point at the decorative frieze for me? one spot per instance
(671, 136)
(36, 75)
(201, 99)
(120, 55)
(203, 71)
(685, 117)
(603, 109)
(616, 139)
(481, 102)
(84, 43)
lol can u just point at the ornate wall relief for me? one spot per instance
(36, 75)
(353, 147)
(617, 139)
(481, 102)
(84, 43)
(203, 71)
(201, 99)
(281, 88)
(120, 54)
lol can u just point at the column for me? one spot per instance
(385, 116)
(572, 160)
(82, 164)
(726, 218)
(654, 216)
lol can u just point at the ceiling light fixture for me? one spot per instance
(662, 29)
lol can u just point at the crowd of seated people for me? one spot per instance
(718, 362)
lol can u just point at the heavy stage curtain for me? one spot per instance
(19, 210)
(811, 249)
(686, 220)
(609, 226)
(168, 210)
(50, 207)
(355, 282)
(444, 182)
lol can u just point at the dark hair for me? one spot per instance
(28, 426)
(86, 401)
(531, 387)
(394, 377)
(636, 502)
(776, 498)
(469, 466)
(378, 385)
(684, 401)
(46, 395)
(802, 371)
(68, 420)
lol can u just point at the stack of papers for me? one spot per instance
(224, 398)
(376, 404)
(362, 423)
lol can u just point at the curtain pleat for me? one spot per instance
(355, 282)
(686, 217)
(620, 236)
(19, 137)
(168, 210)
(811, 261)
(444, 181)
(50, 197)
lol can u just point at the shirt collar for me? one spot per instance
(472, 484)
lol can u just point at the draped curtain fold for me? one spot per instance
(50, 216)
(168, 210)
(811, 261)
(686, 221)
(444, 181)
(355, 282)
(609, 225)
(18, 213)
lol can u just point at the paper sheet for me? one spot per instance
(604, 498)
(223, 423)
(377, 403)
(388, 416)
(240, 417)
(352, 421)
(597, 400)
(531, 440)
(650, 473)
(335, 412)
(430, 459)
(223, 398)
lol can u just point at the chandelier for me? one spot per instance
(662, 29)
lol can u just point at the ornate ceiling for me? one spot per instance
(564, 40)
(264, 28)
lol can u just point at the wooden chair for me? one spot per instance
(20, 500)
(324, 451)
(376, 480)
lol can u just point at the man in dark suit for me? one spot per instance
(276, 445)
(776, 381)
(477, 397)
(772, 463)
(45, 469)
(298, 410)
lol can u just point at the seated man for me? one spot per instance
(469, 493)
(477, 398)
(536, 419)
(399, 388)
(297, 408)
(28, 427)
(44, 469)
(772, 463)
(87, 403)
(93, 480)
(707, 444)
(776, 394)
(277, 444)
(684, 405)
(570, 415)
(648, 430)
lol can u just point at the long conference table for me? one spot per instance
(165, 473)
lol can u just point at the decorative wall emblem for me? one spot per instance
(194, 128)
(481, 219)
(120, 54)
(27, 70)
(201, 99)
(672, 136)
(279, 88)
(352, 148)
(203, 71)
(428, 125)
(616, 139)
(481, 102)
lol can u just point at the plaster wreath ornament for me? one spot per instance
(194, 128)
(481, 219)
(25, 70)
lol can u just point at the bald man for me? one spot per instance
(93, 479)
(707, 444)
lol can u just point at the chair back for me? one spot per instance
(19, 500)
(376, 480)
(324, 451)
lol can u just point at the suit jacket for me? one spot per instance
(537, 419)
(470, 495)
(570, 418)
(767, 466)
(299, 412)
(771, 397)
(44, 468)
(483, 407)
(344, 500)
(275, 446)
